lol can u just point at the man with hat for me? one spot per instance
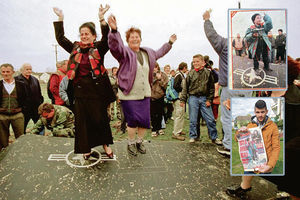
(257, 38)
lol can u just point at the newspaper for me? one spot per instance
(252, 149)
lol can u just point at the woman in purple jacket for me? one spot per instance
(135, 76)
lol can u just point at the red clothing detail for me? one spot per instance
(84, 67)
(55, 80)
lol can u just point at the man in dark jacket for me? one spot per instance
(12, 95)
(200, 88)
(34, 94)
(280, 42)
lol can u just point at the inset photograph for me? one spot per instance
(257, 136)
(257, 49)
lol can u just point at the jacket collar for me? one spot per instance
(261, 125)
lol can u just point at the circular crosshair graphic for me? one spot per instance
(77, 160)
(251, 78)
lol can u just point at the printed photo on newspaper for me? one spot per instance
(256, 48)
(252, 149)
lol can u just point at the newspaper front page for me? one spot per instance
(252, 149)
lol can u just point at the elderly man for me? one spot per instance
(34, 94)
(58, 119)
(12, 95)
(238, 45)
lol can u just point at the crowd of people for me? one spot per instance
(84, 96)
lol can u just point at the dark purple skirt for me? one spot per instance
(137, 112)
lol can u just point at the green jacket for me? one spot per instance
(253, 41)
(62, 124)
(199, 83)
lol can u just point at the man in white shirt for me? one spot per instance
(12, 101)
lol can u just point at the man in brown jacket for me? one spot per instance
(272, 145)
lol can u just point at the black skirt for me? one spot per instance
(91, 119)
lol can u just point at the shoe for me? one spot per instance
(217, 141)
(192, 140)
(178, 137)
(86, 156)
(110, 155)
(268, 69)
(132, 149)
(154, 134)
(237, 191)
(93, 155)
(141, 147)
(257, 72)
(224, 151)
(161, 132)
(197, 139)
(282, 195)
(182, 133)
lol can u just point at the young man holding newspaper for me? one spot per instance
(272, 146)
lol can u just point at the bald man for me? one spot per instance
(34, 97)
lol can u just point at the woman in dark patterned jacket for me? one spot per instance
(89, 84)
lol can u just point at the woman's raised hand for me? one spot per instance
(59, 13)
(112, 22)
(173, 38)
(102, 11)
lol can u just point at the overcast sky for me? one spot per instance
(245, 106)
(27, 33)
